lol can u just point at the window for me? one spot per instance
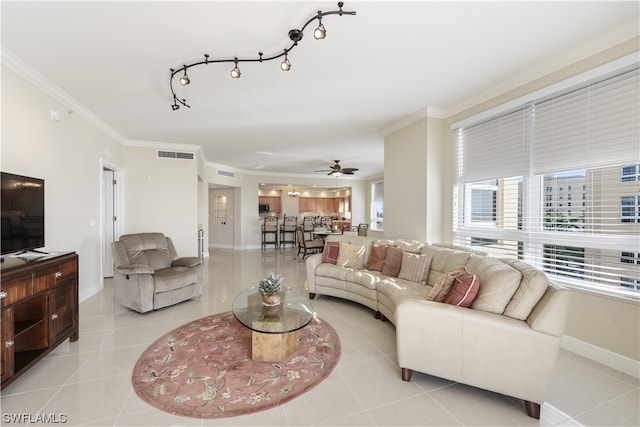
(630, 208)
(630, 173)
(511, 188)
(377, 205)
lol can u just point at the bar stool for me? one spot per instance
(270, 227)
(288, 230)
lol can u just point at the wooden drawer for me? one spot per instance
(16, 289)
(45, 279)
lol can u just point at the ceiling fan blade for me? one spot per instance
(349, 170)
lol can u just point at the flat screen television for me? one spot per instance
(22, 208)
(263, 208)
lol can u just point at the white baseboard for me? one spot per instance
(600, 355)
(85, 293)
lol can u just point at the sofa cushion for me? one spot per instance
(498, 280)
(377, 257)
(393, 262)
(351, 256)
(332, 271)
(532, 287)
(414, 267)
(168, 279)
(464, 290)
(443, 261)
(442, 287)
(330, 253)
(368, 279)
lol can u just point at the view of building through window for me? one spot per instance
(570, 222)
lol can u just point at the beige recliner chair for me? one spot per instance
(149, 274)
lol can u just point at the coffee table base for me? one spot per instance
(273, 347)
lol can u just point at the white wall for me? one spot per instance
(414, 172)
(161, 195)
(67, 154)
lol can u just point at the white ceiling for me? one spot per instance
(392, 62)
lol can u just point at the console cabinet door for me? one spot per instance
(6, 333)
(63, 309)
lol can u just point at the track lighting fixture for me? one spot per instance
(295, 35)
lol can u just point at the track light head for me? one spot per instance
(320, 33)
(285, 65)
(184, 80)
(235, 73)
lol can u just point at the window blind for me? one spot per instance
(593, 126)
(497, 145)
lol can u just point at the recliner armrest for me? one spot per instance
(189, 261)
(134, 269)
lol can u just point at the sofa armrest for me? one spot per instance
(134, 269)
(312, 262)
(550, 313)
(189, 261)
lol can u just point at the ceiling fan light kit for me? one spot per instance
(295, 36)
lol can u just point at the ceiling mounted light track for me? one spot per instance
(295, 36)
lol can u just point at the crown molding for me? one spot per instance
(28, 73)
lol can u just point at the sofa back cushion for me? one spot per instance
(444, 260)
(149, 249)
(532, 287)
(406, 245)
(498, 283)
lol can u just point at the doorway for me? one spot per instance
(221, 217)
(109, 223)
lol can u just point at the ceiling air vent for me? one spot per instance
(175, 155)
(226, 173)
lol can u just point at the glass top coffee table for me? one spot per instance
(273, 328)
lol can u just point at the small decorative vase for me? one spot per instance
(271, 300)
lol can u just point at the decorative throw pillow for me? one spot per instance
(464, 289)
(415, 268)
(351, 256)
(330, 253)
(377, 257)
(442, 287)
(392, 262)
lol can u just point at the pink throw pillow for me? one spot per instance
(465, 289)
(330, 253)
(377, 258)
(393, 262)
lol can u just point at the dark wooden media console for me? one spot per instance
(39, 308)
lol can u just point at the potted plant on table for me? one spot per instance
(270, 287)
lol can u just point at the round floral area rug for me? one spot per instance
(203, 369)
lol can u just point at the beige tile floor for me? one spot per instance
(89, 381)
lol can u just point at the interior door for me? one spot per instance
(221, 214)
(108, 220)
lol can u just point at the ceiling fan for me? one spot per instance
(338, 170)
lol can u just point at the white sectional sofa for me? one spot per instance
(507, 341)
